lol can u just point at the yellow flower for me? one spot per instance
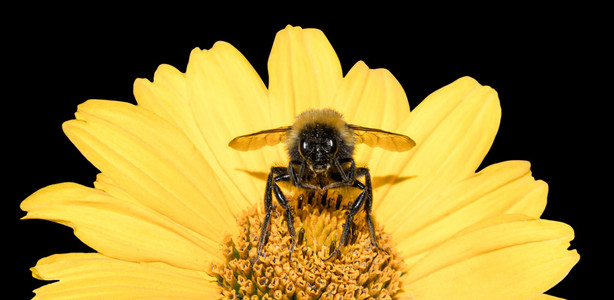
(171, 211)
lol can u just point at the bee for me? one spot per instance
(320, 146)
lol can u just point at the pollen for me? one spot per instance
(360, 271)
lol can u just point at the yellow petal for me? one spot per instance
(228, 100)
(507, 257)
(166, 96)
(503, 188)
(304, 72)
(121, 229)
(222, 80)
(546, 297)
(372, 98)
(453, 128)
(94, 276)
(154, 162)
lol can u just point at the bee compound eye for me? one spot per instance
(330, 146)
(304, 147)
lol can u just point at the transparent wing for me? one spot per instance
(257, 140)
(383, 139)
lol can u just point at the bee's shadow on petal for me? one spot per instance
(256, 174)
(377, 181)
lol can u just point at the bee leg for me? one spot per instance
(347, 176)
(368, 204)
(273, 188)
(364, 200)
(283, 201)
(352, 210)
(297, 179)
(268, 206)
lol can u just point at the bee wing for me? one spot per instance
(257, 140)
(383, 139)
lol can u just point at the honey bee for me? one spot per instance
(320, 146)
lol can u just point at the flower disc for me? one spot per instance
(360, 271)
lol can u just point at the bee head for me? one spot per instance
(319, 136)
(318, 146)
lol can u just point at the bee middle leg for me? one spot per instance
(276, 174)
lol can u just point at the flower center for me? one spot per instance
(361, 271)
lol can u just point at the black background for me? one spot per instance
(548, 65)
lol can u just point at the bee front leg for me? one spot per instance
(297, 179)
(347, 176)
